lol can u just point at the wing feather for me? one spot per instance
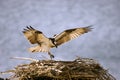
(34, 36)
(70, 34)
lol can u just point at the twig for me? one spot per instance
(23, 58)
(9, 71)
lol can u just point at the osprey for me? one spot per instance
(44, 44)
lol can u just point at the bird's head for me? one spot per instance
(53, 41)
(54, 35)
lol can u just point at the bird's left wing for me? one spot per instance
(70, 34)
(33, 35)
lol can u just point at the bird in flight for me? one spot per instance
(44, 44)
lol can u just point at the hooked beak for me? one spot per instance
(55, 45)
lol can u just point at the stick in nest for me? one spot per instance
(24, 58)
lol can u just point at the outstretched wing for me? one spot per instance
(70, 34)
(33, 35)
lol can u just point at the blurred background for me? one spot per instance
(52, 17)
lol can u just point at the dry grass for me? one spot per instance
(79, 69)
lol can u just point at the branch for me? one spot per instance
(23, 58)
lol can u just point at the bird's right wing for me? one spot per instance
(33, 35)
(70, 34)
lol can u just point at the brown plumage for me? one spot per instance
(44, 44)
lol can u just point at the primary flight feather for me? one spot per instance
(44, 44)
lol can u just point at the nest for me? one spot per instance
(79, 69)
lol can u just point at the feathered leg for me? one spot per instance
(51, 55)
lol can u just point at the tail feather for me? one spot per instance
(38, 49)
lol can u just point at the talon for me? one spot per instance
(51, 55)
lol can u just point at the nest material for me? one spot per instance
(79, 69)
